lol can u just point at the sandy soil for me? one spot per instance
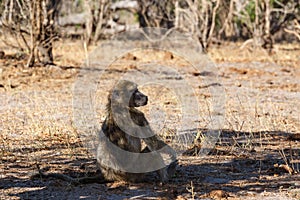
(256, 157)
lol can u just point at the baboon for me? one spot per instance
(120, 147)
(122, 131)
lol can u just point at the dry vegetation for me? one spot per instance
(257, 156)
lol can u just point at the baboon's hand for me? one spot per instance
(172, 168)
(168, 172)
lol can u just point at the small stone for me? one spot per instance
(218, 194)
(238, 84)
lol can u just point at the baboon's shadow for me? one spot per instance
(222, 169)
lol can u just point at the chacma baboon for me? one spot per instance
(119, 154)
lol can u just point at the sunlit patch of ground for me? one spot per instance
(256, 157)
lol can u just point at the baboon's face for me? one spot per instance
(138, 99)
(126, 94)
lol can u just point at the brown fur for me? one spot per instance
(116, 109)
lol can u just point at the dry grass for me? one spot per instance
(262, 101)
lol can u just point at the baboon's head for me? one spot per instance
(126, 94)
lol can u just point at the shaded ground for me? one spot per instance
(256, 157)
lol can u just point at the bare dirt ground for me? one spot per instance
(257, 155)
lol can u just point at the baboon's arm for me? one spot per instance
(158, 147)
